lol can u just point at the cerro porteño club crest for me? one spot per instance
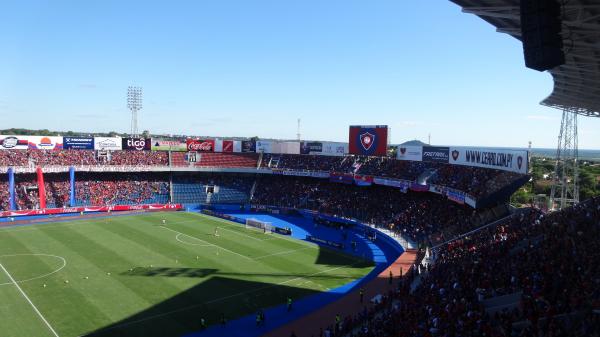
(366, 140)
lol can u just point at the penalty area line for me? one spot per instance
(210, 243)
(28, 300)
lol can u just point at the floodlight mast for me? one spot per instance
(134, 103)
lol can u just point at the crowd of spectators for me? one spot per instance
(416, 215)
(475, 181)
(472, 180)
(550, 262)
(90, 189)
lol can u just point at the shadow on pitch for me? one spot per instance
(204, 272)
(180, 314)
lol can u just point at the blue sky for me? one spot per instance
(246, 68)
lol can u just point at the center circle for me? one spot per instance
(62, 260)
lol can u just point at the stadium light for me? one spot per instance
(134, 103)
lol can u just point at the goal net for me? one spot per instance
(263, 226)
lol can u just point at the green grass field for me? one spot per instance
(132, 276)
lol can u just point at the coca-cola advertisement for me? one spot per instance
(137, 144)
(201, 145)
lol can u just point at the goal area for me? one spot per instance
(265, 227)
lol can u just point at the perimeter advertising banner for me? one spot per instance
(201, 145)
(168, 145)
(78, 143)
(136, 144)
(368, 140)
(410, 152)
(436, 154)
(107, 143)
(499, 159)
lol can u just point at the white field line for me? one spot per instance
(40, 276)
(283, 253)
(225, 249)
(238, 233)
(28, 300)
(189, 243)
(224, 298)
(271, 237)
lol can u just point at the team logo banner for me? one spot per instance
(248, 146)
(199, 145)
(411, 152)
(311, 147)
(136, 144)
(368, 140)
(13, 143)
(499, 159)
(436, 154)
(107, 143)
(78, 143)
(168, 145)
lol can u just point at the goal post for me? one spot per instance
(265, 227)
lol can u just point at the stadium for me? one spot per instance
(160, 235)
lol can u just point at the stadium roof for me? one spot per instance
(577, 82)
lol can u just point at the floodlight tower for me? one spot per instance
(565, 186)
(134, 103)
(298, 133)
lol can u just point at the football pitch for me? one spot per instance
(134, 276)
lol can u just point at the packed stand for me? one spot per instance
(414, 215)
(90, 188)
(121, 188)
(550, 262)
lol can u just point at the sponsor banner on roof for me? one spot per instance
(78, 143)
(410, 152)
(228, 146)
(107, 143)
(167, 145)
(436, 154)
(237, 146)
(44, 142)
(492, 158)
(201, 145)
(218, 145)
(9, 142)
(136, 144)
(286, 147)
(334, 149)
(265, 146)
(368, 140)
(248, 146)
(311, 148)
